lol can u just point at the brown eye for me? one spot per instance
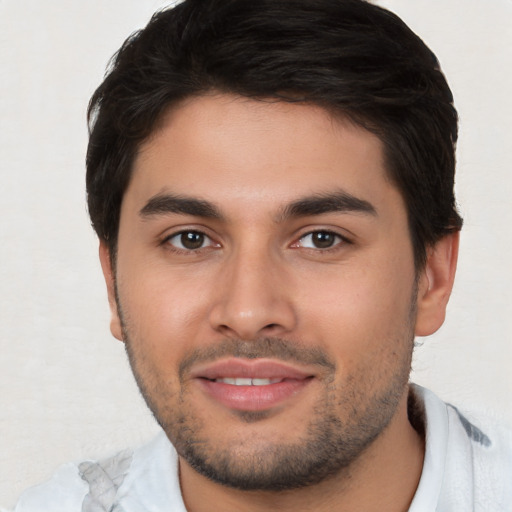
(189, 240)
(323, 239)
(192, 240)
(320, 240)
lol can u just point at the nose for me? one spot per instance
(253, 298)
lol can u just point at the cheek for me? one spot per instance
(163, 310)
(354, 311)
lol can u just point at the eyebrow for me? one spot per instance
(339, 201)
(162, 204)
(318, 204)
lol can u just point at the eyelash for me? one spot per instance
(184, 250)
(339, 240)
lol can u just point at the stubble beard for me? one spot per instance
(342, 426)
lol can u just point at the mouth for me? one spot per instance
(243, 381)
(251, 385)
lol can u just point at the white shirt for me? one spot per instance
(465, 469)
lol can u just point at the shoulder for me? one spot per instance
(79, 486)
(471, 456)
(64, 492)
(486, 447)
(141, 479)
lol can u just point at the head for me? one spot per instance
(332, 120)
(350, 57)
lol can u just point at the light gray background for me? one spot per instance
(66, 390)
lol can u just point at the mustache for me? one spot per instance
(268, 347)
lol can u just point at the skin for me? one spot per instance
(258, 286)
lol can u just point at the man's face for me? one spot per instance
(265, 289)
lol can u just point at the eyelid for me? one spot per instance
(342, 239)
(166, 239)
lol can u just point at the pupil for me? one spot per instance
(192, 240)
(322, 239)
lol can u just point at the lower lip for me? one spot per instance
(253, 398)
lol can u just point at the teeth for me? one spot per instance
(264, 382)
(243, 382)
(247, 382)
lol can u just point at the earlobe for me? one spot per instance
(108, 274)
(435, 284)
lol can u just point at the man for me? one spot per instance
(272, 186)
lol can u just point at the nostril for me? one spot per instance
(235, 317)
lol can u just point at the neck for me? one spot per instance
(383, 479)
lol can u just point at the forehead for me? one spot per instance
(225, 148)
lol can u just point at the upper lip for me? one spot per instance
(245, 368)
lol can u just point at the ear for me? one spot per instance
(108, 274)
(435, 284)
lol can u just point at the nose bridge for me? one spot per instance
(252, 299)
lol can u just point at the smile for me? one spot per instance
(251, 385)
(233, 381)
